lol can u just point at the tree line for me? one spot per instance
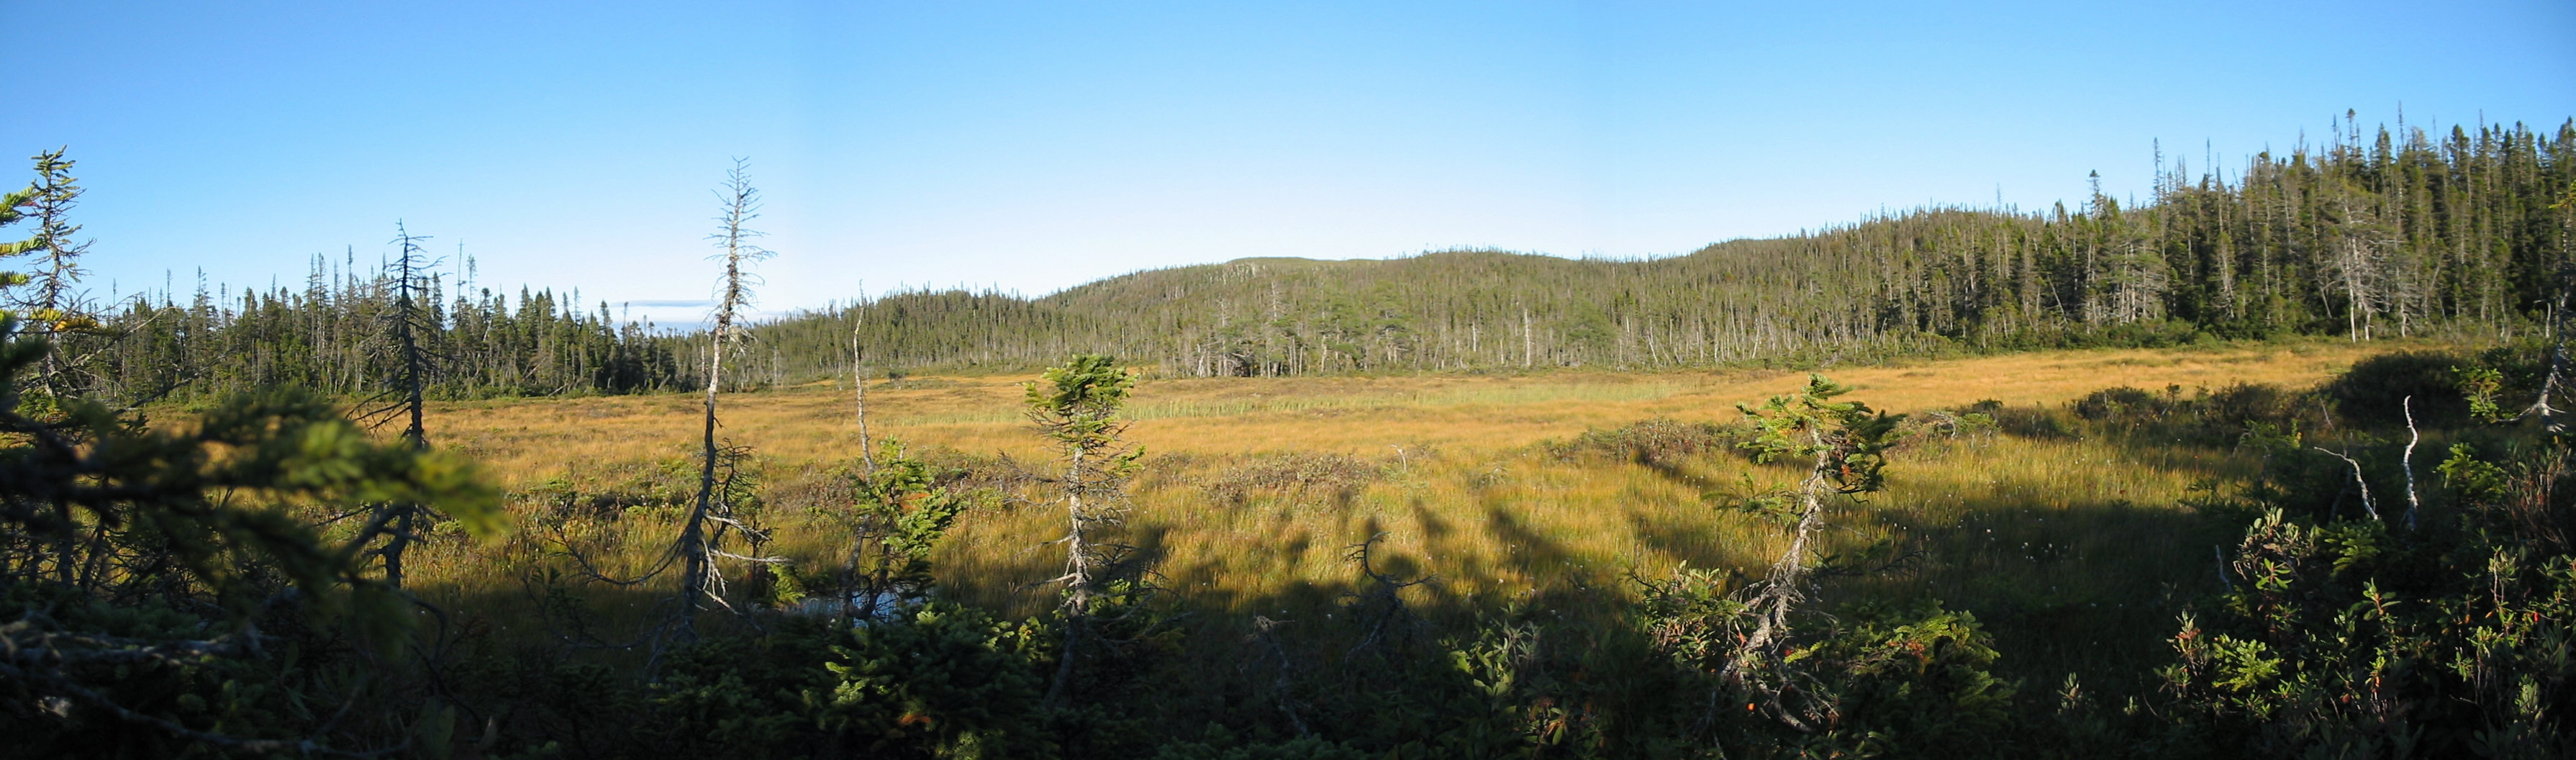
(339, 333)
(2401, 232)
(2396, 232)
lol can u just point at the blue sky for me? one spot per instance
(1037, 146)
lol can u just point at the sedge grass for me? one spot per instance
(2074, 550)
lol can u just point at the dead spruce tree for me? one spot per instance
(2565, 206)
(396, 521)
(1076, 407)
(859, 386)
(1845, 444)
(702, 536)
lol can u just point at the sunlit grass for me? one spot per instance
(2073, 549)
(526, 441)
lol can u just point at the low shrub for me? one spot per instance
(1660, 440)
(1293, 476)
(2375, 392)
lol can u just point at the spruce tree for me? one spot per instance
(1076, 408)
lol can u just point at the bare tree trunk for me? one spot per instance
(2557, 363)
(741, 204)
(1529, 345)
(1079, 575)
(2366, 504)
(1786, 585)
(859, 382)
(2353, 303)
(1788, 574)
(693, 542)
(2413, 505)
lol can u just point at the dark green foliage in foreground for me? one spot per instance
(937, 680)
(163, 591)
(2360, 636)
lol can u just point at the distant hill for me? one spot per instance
(2469, 232)
(2397, 235)
(1442, 310)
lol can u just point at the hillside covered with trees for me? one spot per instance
(2393, 233)
(2398, 233)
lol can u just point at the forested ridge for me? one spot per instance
(2396, 232)
(2402, 232)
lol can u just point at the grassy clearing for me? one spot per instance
(2074, 550)
(526, 441)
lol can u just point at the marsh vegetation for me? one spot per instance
(2244, 521)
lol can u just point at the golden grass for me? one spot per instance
(2030, 531)
(526, 441)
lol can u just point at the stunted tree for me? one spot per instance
(411, 291)
(1076, 406)
(1845, 444)
(409, 319)
(859, 389)
(900, 514)
(56, 265)
(712, 514)
(46, 299)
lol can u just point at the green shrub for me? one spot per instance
(2374, 392)
(2360, 637)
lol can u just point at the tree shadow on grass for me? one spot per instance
(2092, 589)
(2085, 583)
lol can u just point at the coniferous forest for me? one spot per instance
(231, 525)
(2398, 232)
(2394, 232)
